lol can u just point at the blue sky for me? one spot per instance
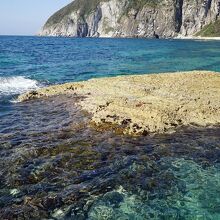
(26, 17)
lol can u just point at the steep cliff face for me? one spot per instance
(132, 18)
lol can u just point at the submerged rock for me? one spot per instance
(64, 169)
(142, 104)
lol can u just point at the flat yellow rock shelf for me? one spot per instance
(142, 104)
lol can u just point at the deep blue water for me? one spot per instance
(53, 166)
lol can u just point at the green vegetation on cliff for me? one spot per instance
(210, 30)
(85, 7)
(138, 4)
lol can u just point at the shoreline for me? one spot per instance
(146, 38)
(145, 104)
(197, 38)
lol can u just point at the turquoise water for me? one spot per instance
(54, 166)
(57, 60)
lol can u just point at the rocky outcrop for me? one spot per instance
(132, 18)
(142, 104)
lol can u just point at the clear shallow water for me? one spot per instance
(54, 166)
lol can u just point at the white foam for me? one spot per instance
(16, 85)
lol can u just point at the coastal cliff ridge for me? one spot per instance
(135, 18)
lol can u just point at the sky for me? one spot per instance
(26, 17)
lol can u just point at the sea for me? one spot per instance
(54, 166)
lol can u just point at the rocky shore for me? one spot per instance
(144, 104)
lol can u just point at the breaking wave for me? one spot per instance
(16, 85)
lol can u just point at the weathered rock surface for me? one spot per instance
(142, 104)
(132, 18)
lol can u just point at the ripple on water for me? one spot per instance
(54, 165)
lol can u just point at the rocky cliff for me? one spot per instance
(132, 18)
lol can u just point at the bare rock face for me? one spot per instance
(132, 18)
